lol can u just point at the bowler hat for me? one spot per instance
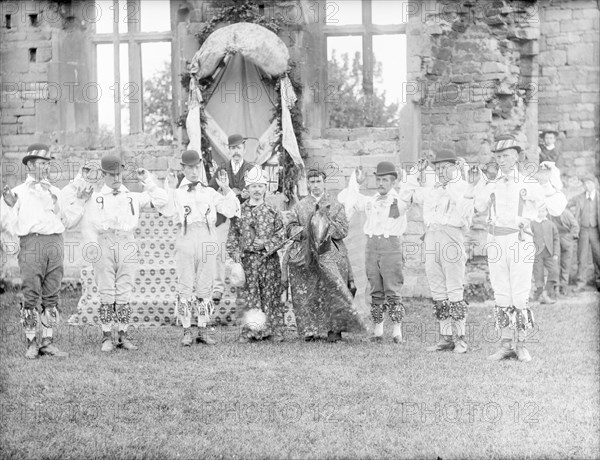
(111, 164)
(505, 142)
(385, 168)
(37, 151)
(444, 155)
(235, 139)
(190, 158)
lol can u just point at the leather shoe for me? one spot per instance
(48, 348)
(445, 343)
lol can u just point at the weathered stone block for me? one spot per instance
(576, 25)
(582, 54)
(554, 14)
(553, 58)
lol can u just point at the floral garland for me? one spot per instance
(247, 11)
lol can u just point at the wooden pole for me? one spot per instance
(117, 75)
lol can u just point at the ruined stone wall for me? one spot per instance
(44, 68)
(569, 83)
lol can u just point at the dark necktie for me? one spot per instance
(192, 185)
(116, 192)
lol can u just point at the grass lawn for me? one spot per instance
(306, 400)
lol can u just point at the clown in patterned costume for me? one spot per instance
(319, 276)
(511, 200)
(112, 215)
(253, 240)
(447, 215)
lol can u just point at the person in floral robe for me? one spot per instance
(320, 282)
(253, 240)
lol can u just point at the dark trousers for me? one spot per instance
(589, 240)
(543, 261)
(41, 265)
(567, 244)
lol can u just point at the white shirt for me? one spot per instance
(517, 199)
(377, 209)
(202, 204)
(108, 211)
(40, 208)
(445, 205)
(235, 166)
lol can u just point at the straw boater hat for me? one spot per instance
(505, 142)
(37, 152)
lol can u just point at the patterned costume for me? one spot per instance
(263, 273)
(447, 215)
(321, 298)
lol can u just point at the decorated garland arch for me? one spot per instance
(248, 46)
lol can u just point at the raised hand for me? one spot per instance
(360, 175)
(171, 178)
(142, 174)
(9, 197)
(85, 193)
(223, 181)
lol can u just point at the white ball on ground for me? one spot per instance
(254, 320)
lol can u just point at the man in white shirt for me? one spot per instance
(384, 227)
(112, 217)
(447, 215)
(195, 205)
(512, 200)
(38, 214)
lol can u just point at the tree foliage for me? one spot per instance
(348, 106)
(157, 105)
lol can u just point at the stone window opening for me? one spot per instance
(7, 21)
(145, 37)
(33, 20)
(32, 54)
(366, 53)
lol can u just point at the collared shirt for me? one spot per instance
(121, 211)
(590, 195)
(199, 205)
(235, 166)
(40, 208)
(378, 209)
(445, 204)
(510, 200)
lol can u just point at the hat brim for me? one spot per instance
(448, 160)
(242, 141)
(391, 173)
(549, 132)
(27, 158)
(515, 147)
(112, 171)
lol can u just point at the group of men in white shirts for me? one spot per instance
(39, 213)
